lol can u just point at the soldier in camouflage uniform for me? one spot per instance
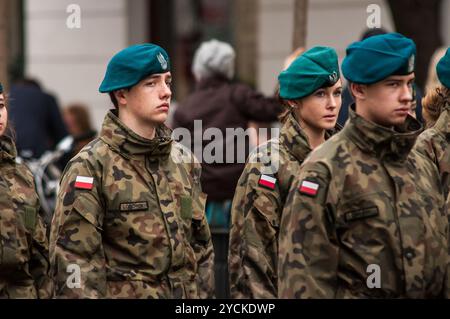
(24, 262)
(311, 90)
(130, 212)
(365, 217)
(434, 143)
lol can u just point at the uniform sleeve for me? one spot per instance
(76, 250)
(253, 247)
(254, 105)
(39, 261)
(308, 254)
(202, 241)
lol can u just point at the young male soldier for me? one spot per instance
(130, 212)
(365, 216)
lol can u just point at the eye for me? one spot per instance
(337, 93)
(320, 93)
(393, 84)
(151, 84)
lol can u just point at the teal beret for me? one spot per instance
(133, 64)
(375, 58)
(443, 69)
(316, 68)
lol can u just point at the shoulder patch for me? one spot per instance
(267, 181)
(84, 182)
(309, 187)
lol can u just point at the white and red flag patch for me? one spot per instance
(309, 188)
(267, 181)
(84, 182)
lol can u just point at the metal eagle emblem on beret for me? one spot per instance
(411, 63)
(333, 77)
(162, 60)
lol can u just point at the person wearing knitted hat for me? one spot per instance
(130, 214)
(310, 89)
(434, 142)
(24, 264)
(364, 217)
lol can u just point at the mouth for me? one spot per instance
(163, 107)
(402, 110)
(330, 117)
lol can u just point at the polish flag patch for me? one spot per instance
(84, 182)
(267, 181)
(309, 188)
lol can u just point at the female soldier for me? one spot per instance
(23, 244)
(434, 142)
(311, 90)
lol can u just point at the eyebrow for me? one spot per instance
(399, 79)
(156, 76)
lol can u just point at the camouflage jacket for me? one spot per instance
(256, 212)
(434, 143)
(130, 216)
(24, 266)
(365, 218)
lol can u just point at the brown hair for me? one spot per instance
(434, 103)
(9, 130)
(81, 115)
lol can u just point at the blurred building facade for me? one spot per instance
(70, 62)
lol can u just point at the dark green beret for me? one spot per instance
(133, 64)
(378, 57)
(316, 68)
(443, 69)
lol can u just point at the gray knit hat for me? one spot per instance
(214, 58)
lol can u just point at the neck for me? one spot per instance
(142, 129)
(315, 136)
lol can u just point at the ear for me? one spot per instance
(293, 104)
(358, 91)
(121, 96)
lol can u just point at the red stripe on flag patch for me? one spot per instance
(309, 188)
(84, 182)
(267, 181)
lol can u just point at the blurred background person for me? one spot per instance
(36, 118)
(78, 122)
(221, 103)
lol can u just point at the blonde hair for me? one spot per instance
(434, 103)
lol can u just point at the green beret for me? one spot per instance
(316, 68)
(133, 64)
(443, 69)
(375, 58)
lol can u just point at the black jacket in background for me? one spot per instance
(36, 119)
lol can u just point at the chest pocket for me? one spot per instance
(364, 219)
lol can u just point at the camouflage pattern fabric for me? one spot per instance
(364, 200)
(139, 230)
(434, 143)
(256, 212)
(24, 265)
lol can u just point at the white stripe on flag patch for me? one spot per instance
(268, 179)
(313, 186)
(84, 179)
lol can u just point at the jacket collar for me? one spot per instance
(8, 150)
(118, 136)
(385, 143)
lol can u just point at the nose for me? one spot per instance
(332, 102)
(406, 94)
(165, 91)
